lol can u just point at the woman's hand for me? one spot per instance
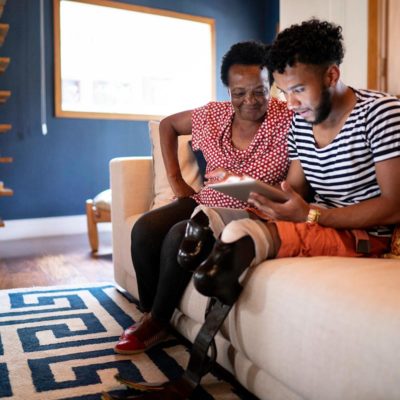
(295, 209)
(181, 189)
(220, 175)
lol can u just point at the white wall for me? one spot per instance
(352, 15)
(44, 227)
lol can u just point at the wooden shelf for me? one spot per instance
(2, 4)
(4, 62)
(4, 95)
(3, 32)
(6, 192)
(5, 128)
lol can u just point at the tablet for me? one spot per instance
(241, 189)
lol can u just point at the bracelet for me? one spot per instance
(313, 216)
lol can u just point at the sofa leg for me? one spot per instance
(92, 227)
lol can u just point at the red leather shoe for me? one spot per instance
(133, 327)
(147, 334)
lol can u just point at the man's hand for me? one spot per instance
(295, 209)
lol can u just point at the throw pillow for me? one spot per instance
(201, 162)
(163, 193)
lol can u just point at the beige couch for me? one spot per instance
(304, 328)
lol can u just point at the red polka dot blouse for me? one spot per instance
(265, 159)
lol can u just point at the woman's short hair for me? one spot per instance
(245, 53)
(312, 42)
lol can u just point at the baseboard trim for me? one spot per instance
(44, 227)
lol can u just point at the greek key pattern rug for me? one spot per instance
(57, 343)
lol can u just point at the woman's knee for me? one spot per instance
(146, 231)
(158, 222)
(175, 234)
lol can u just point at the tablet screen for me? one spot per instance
(241, 189)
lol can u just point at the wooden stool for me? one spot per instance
(97, 210)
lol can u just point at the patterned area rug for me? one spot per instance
(57, 343)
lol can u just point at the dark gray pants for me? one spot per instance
(155, 241)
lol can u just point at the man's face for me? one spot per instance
(249, 91)
(306, 90)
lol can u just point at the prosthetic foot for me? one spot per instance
(171, 390)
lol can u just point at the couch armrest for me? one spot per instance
(131, 182)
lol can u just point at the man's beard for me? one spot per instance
(324, 107)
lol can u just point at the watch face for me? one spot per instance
(396, 241)
(313, 216)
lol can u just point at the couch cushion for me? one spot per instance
(328, 325)
(103, 200)
(163, 193)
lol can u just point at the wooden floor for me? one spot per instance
(60, 260)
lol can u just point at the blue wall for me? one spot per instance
(53, 175)
(271, 19)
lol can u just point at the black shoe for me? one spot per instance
(197, 237)
(216, 276)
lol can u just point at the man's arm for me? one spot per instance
(170, 128)
(297, 179)
(381, 210)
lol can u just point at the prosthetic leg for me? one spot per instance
(217, 277)
(199, 363)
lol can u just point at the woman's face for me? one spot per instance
(249, 91)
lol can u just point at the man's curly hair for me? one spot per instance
(311, 42)
(246, 53)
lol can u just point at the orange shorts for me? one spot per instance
(309, 240)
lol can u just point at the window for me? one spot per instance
(119, 61)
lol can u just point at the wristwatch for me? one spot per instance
(313, 216)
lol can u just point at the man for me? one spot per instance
(344, 148)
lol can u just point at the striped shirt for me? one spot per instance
(343, 172)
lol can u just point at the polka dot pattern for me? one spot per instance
(265, 159)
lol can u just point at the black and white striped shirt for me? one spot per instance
(343, 172)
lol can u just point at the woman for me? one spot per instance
(245, 136)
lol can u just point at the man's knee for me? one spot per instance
(259, 232)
